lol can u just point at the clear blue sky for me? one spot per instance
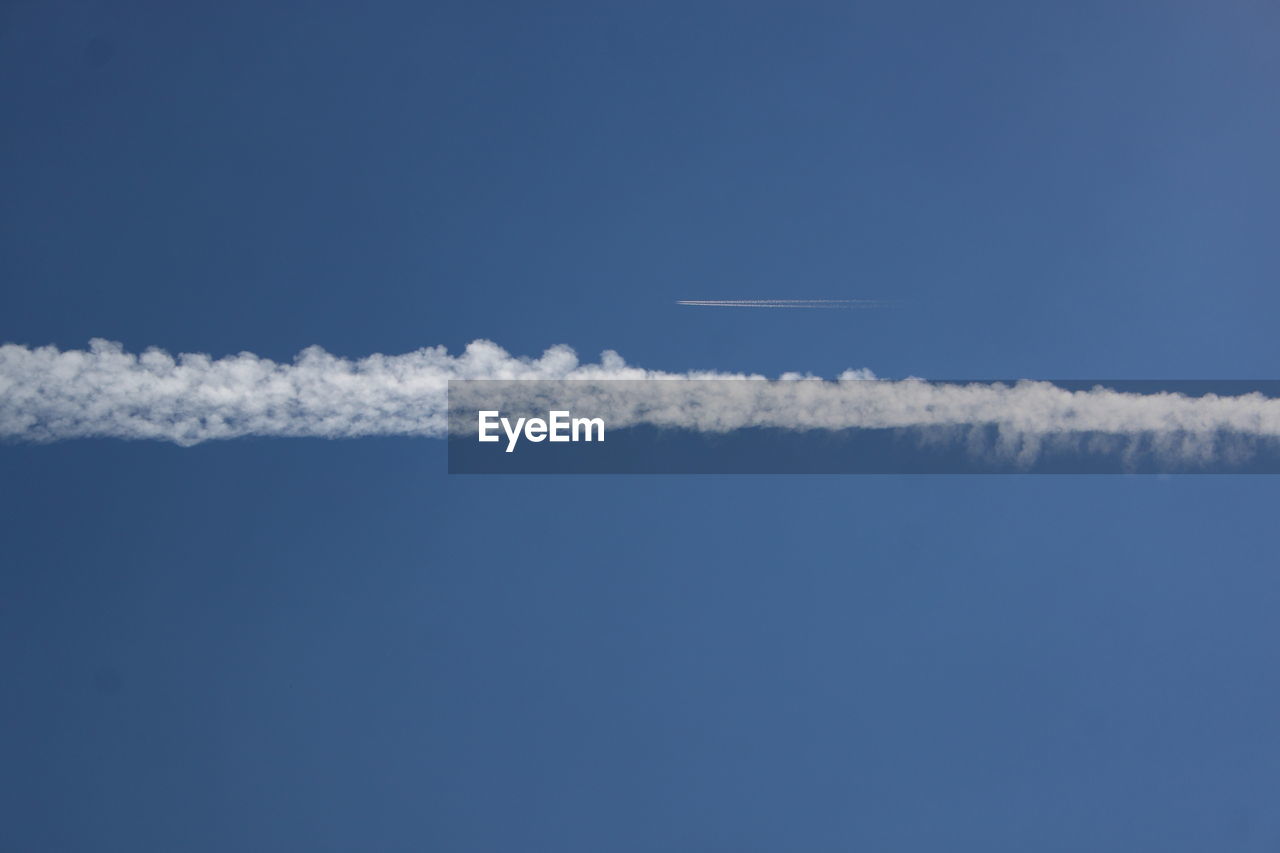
(312, 645)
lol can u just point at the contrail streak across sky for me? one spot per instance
(787, 303)
(48, 394)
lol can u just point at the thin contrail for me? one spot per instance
(787, 303)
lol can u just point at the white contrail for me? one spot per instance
(787, 303)
(48, 394)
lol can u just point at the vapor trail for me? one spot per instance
(48, 394)
(787, 303)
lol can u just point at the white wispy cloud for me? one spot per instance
(48, 394)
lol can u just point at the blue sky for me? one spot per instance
(332, 645)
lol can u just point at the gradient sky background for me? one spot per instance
(313, 645)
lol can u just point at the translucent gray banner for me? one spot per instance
(863, 426)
